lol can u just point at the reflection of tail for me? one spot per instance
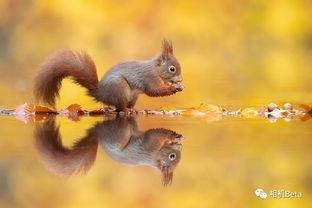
(62, 161)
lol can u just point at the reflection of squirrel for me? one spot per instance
(60, 160)
(158, 148)
(121, 140)
(120, 86)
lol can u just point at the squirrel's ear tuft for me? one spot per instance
(167, 49)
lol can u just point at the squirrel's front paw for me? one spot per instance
(177, 87)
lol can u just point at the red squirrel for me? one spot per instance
(120, 86)
(121, 140)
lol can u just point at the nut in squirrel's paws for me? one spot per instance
(178, 138)
(178, 87)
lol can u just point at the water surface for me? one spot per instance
(222, 163)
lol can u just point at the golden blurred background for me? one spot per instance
(231, 52)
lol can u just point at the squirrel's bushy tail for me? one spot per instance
(64, 63)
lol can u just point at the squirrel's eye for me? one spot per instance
(172, 156)
(172, 69)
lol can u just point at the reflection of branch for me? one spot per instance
(62, 161)
(306, 117)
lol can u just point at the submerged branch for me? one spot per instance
(31, 113)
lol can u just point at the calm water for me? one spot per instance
(221, 163)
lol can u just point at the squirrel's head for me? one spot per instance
(169, 156)
(168, 65)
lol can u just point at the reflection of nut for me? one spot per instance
(272, 119)
(174, 141)
(179, 138)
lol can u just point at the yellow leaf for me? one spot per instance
(250, 112)
(209, 108)
(73, 108)
(192, 112)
